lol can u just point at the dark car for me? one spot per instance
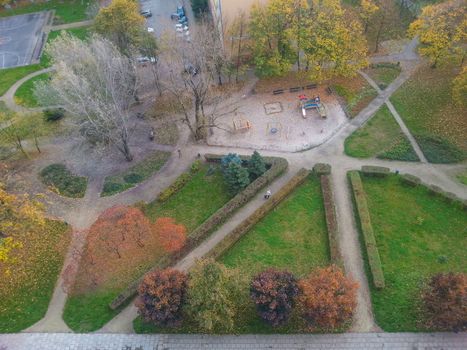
(146, 13)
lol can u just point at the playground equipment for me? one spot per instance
(313, 103)
(274, 128)
(241, 124)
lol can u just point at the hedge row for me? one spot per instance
(246, 225)
(331, 219)
(376, 171)
(367, 230)
(276, 167)
(434, 190)
(322, 169)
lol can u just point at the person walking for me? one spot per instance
(179, 153)
(268, 194)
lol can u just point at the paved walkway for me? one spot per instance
(349, 341)
(72, 25)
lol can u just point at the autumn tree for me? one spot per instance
(96, 85)
(256, 165)
(213, 294)
(161, 296)
(121, 239)
(273, 293)
(445, 301)
(367, 10)
(459, 88)
(442, 29)
(121, 23)
(328, 298)
(238, 44)
(172, 236)
(336, 45)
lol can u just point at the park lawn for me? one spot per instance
(201, 197)
(425, 104)
(462, 177)
(66, 11)
(383, 73)
(24, 96)
(356, 93)
(417, 235)
(10, 76)
(136, 174)
(63, 181)
(38, 269)
(191, 206)
(380, 137)
(293, 237)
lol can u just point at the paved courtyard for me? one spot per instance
(357, 341)
(21, 38)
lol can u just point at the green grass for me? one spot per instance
(29, 303)
(425, 104)
(135, 174)
(413, 231)
(10, 76)
(201, 197)
(293, 236)
(356, 92)
(383, 73)
(24, 96)
(66, 11)
(380, 137)
(63, 181)
(462, 177)
(192, 205)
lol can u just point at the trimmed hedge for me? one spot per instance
(410, 180)
(377, 171)
(367, 230)
(322, 169)
(276, 167)
(331, 219)
(257, 215)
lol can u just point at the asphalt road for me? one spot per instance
(19, 37)
(161, 11)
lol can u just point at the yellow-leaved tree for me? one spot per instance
(442, 29)
(368, 8)
(459, 88)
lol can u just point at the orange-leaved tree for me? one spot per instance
(161, 296)
(328, 298)
(445, 301)
(172, 236)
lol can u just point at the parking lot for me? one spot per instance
(21, 38)
(161, 11)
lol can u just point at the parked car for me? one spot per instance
(146, 13)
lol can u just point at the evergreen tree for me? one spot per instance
(229, 158)
(236, 177)
(256, 165)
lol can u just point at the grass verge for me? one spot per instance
(417, 235)
(136, 174)
(426, 105)
(383, 73)
(380, 137)
(24, 96)
(62, 181)
(36, 273)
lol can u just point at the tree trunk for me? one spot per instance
(378, 34)
(36, 142)
(238, 53)
(201, 129)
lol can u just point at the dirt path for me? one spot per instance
(72, 25)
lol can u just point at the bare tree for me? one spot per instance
(96, 85)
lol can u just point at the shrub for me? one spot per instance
(230, 158)
(195, 167)
(377, 171)
(400, 150)
(445, 301)
(63, 181)
(51, 115)
(367, 230)
(236, 177)
(113, 187)
(331, 219)
(213, 292)
(322, 169)
(435, 190)
(161, 296)
(256, 166)
(439, 150)
(273, 293)
(179, 183)
(328, 298)
(410, 180)
(133, 178)
(171, 236)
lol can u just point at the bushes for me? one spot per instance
(439, 150)
(256, 166)
(273, 293)
(62, 181)
(445, 302)
(51, 115)
(322, 169)
(367, 230)
(328, 298)
(411, 180)
(178, 184)
(400, 150)
(377, 171)
(161, 296)
(331, 219)
(236, 176)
